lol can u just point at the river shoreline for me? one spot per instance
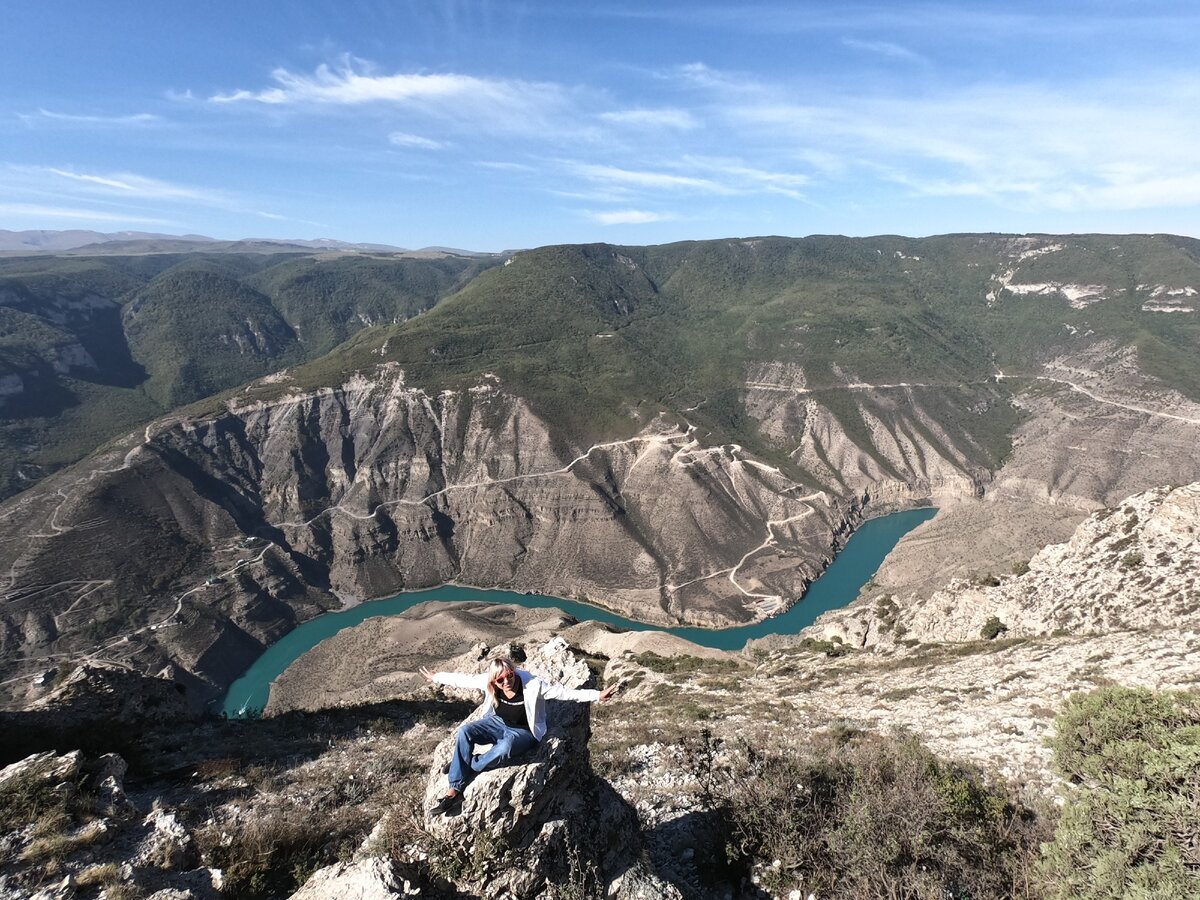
(837, 586)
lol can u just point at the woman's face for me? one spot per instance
(505, 678)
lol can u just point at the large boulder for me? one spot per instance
(547, 820)
(365, 879)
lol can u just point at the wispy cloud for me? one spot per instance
(76, 214)
(743, 178)
(886, 49)
(120, 196)
(501, 166)
(1092, 145)
(128, 184)
(678, 119)
(404, 139)
(645, 179)
(503, 105)
(76, 119)
(627, 216)
(924, 19)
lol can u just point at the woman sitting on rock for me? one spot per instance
(513, 721)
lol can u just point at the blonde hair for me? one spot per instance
(500, 665)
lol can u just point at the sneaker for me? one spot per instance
(448, 805)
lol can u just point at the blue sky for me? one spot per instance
(496, 125)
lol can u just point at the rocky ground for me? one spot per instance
(203, 808)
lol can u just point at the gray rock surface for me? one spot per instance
(541, 821)
(365, 879)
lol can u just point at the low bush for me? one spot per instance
(676, 665)
(273, 853)
(868, 816)
(992, 629)
(1130, 826)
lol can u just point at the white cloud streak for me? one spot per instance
(1096, 146)
(886, 49)
(415, 141)
(495, 105)
(676, 119)
(127, 184)
(627, 217)
(642, 179)
(134, 119)
(85, 215)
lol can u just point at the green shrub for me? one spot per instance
(829, 648)
(1132, 560)
(865, 816)
(675, 665)
(992, 629)
(1130, 828)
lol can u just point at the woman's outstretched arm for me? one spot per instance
(454, 679)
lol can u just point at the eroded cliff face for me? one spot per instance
(902, 451)
(202, 540)
(375, 487)
(1132, 567)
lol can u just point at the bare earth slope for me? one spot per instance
(682, 434)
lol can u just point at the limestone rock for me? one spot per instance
(366, 879)
(1127, 567)
(169, 844)
(545, 820)
(48, 767)
(99, 693)
(639, 883)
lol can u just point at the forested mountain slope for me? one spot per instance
(683, 433)
(91, 346)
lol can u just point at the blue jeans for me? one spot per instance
(507, 742)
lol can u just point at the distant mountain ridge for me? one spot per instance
(40, 241)
(17, 243)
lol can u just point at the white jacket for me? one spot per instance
(537, 692)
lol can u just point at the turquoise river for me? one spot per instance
(837, 586)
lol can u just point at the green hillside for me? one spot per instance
(600, 338)
(90, 347)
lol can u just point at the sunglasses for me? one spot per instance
(506, 677)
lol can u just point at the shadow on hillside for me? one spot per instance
(689, 851)
(178, 747)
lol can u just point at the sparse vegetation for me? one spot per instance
(830, 648)
(866, 816)
(1129, 827)
(992, 628)
(271, 853)
(684, 664)
(1132, 560)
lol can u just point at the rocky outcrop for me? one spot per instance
(902, 452)
(1128, 567)
(365, 879)
(543, 821)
